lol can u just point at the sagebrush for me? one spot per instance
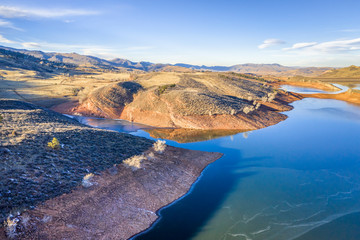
(159, 146)
(134, 162)
(87, 180)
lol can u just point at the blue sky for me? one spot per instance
(293, 33)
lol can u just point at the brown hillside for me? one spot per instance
(197, 101)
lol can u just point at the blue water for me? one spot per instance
(274, 183)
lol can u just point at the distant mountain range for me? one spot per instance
(118, 63)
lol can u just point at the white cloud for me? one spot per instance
(301, 45)
(21, 12)
(339, 45)
(137, 48)
(68, 21)
(5, 40)
(31, 45)
(7, 24)
(92, 50)
(350, 30)
(105, 53)
(346, 45)
(270, 42)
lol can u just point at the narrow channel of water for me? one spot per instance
(274, 183)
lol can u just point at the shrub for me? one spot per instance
(10, 226)
(75, 91)
(163, 88)
(247, 109)
(46, 219)
(134, 162)
(54, 144)
(159, 146)
(150, 156)
(1, 118)
(25, 219)
(86, 182)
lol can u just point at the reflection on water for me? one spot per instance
(189, 135)
(296, 89)
(275, 183)
(111, 124)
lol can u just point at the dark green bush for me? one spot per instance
(163, 88)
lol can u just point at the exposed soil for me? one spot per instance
(351, 96)
(45, 183)
(311, 84)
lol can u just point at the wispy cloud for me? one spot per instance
(270, 43)
(7, 24)
(100, 52)
(347, 45)
(137, 48)
(353, 30)
(5, 40)
(301, 45)
(92, 50)
(31, 45)
(22, 12)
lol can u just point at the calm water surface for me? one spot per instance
(275, 183)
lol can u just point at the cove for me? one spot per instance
(277, 183)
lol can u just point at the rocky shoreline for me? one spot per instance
(45, 184)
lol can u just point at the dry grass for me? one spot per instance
(157, 79)
(28, 85)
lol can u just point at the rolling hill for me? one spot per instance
(124, 64)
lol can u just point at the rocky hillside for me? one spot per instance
(12, 59)
(84, 61)
(196, 101)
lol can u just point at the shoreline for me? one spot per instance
(97, 211)
(350, 96)
(138, 218)
(317, 85)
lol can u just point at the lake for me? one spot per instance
(297, 179)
